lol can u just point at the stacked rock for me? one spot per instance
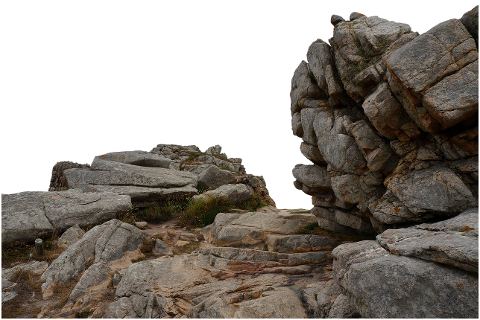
(388, 119)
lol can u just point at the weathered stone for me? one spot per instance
(28, 215)
(102, 244)
(303, 89)
(451, 248)
(105, 172)
(312, 153)
(214, 177)
(423, 62)
(141, 224)
(232, 229)
(435, 190)
(188, 237)
(356, 15)
(345, 157)
(336, 19)
(340, 221)
(161, 249)
(299, 243)
(308, 116)
(357, 46)
(233, 193)
(388, 116)
(322, 66)
(138, 158)
(70, 236)
(58, 181)
(470, 21)
(342, 307)
(385, 285)
(297, 124)
(455, 97)
(313, 176)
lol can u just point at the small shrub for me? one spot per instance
(84, 314)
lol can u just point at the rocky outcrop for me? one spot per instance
(385, 114)
(58, 181)
(215, 283)
(28, 215)
(267, 228)
(389, 120)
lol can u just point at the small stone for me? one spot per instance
(161, 249)
(181, 243)
(188, 237)
(336, 19)
(356, 15)
(141, 225)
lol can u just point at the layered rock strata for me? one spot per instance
(388, 119)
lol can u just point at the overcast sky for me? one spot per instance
(84, 78)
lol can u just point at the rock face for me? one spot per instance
(386, 115)
(416, 272)
(389, 120)
(28, 215)
(216, 283)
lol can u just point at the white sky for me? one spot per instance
(83, 78)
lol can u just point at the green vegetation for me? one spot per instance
(84, 314)
(313, 228)
(191, 213)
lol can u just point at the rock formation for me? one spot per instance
(389, 120)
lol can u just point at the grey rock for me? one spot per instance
(356, 47)
(214, 177)
(313, 176)
(330, 130)
(104, 172)
(436, 190)
(342, 307)
(385, 285)
(141, 224)
(322, 66)
(336, 19)
(308, 116)
(455, 97)
(95, 275)
(138, 158)
(453, 241)
(470, 21)
(424, 61)
(214, 150)
(162, 249)
(312, 153)
(299, 243)
(28, 215)
(102, 244)
(388, 116)
(188, 237)
(233, 193)
(341, 221)
(297, 124)
(70, 236)
(303, 89)
(355, 16)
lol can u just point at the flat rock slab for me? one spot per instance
(28, 215)
(384, 285)
(452, 242)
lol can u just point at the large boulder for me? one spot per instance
(214, 177)
(91, 255)
(385, 285)
(28, 215)
(232, 193)
(139, 158)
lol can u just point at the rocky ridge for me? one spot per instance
(394, 154)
